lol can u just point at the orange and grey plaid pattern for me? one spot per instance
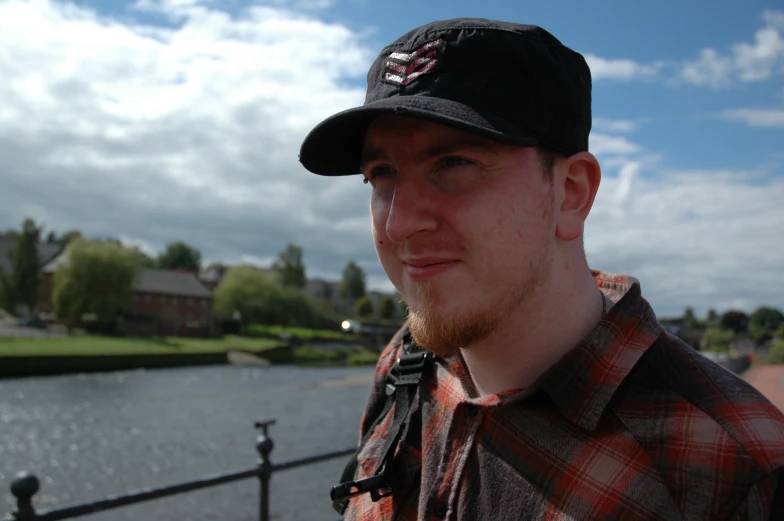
(630, 424)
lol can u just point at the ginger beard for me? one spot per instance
(446, 333)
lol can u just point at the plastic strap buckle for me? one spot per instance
(376, 485)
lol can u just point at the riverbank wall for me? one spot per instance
(24, 366)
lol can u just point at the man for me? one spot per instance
(553, 393)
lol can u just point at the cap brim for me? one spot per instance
(334, 146)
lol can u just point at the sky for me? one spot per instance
(155, 121)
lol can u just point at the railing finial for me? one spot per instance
(264, 445)
(24, 487)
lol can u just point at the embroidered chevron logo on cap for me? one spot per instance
(403, 68)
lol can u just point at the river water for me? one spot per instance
(88, 436)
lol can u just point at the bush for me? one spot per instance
(312, 355)
(363, 357)
(780, 332)
(259, 299)
(364, 307)
(386, 308)
(776, 353)
(718, 339)
(352, 356)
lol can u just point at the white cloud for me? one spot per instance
(700, 238)
(770, 117)
(623, 69)
(745, 62)
(143, 245)
(711, 69)
(600, 144)
(624, 191)
(614, 125)
(774, 18)
(188, 132)
(154, 134)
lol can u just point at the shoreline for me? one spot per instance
(52, 365)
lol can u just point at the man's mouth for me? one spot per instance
(426, 268)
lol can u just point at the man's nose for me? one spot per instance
(412, 209)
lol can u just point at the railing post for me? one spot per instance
(264, 446)
(24, 488)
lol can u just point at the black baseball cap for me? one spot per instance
(509, 82)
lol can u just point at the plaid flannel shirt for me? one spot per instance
(630, 424)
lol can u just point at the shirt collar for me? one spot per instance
(582, 383)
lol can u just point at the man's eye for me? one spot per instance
(378, 172)
(452, 161)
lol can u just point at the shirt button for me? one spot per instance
(441, 510)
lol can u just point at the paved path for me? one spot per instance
(769, 380)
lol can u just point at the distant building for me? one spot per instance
(165, 302)
(322, 289)
(330, 292)
(46, 252)
(175, 303)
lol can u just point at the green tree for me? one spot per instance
(144, 260)
(713, 317)
(69, 236)
(364, 307)
(352, 285)
(245, 292)
(763, 324)
(718, 339)
(386, 307)
(736, 321)
(289, 267)
(766, 318)
(96, 280)
(179, 255)
(689, 320)
(255, 296)
(21, 287)
(776, 353)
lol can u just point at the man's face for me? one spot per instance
(463, 227)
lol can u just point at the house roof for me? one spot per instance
(168, 282)
(46, 252)
(163, 282)
(61, 259)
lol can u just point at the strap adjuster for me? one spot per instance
(376, 485)
(410, 368)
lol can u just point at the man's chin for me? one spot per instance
(445, 334)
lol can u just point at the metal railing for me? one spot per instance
(25, 486)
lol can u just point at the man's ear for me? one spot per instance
(580, 176)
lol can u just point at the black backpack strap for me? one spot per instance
(402, 383)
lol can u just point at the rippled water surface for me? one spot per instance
(87, 436)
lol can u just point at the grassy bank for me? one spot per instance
(93, 345)
(86, 346)
(302, 333)
(352, 356)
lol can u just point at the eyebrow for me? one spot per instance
(453, 146)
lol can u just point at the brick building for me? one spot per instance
(165, 302)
